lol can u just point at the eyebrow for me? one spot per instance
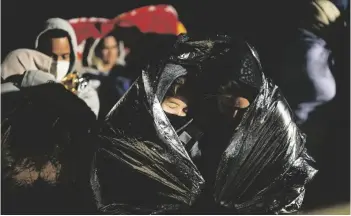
(54, 54)
(112, 46)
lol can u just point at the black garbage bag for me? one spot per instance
(260, 166)
(47, 150)
(141, 166)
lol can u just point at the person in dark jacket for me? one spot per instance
(105, 68)
(308, 61)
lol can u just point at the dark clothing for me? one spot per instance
(111, 87)
(41, 124)
(307, 64)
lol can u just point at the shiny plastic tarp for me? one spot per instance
(141, 167)
(263, 167)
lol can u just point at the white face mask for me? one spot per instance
(60, 69)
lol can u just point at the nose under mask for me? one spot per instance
(60, 69)
(177, 122)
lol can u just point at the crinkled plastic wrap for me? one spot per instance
(141, 166)
(265, 167)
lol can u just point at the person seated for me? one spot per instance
(58, 40)
(104, 66)
(26, 68)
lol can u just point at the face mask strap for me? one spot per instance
(184, 126)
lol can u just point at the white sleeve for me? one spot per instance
(91, 98)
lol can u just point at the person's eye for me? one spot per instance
(54, 57)
(172, 105)
(66, 57)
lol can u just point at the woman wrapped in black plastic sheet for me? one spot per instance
(230, 128)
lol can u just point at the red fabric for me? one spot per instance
(161, 19)
(91, 27)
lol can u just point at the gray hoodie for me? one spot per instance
(33, 65)
(61, 24)
(88, 94)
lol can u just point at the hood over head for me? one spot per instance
(21, 60)
(324, 13)
(199, 59)
(170, 73)
(92, 46)
(61, 24)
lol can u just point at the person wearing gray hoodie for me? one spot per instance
(58, 40)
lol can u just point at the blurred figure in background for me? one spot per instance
(104, 65)
(58, 40)
(107, 54)
(308, 62)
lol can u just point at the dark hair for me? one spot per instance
(44, 42)
(45, 39)
(100, 45)
(53, 33)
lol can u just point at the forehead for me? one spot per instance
(179, 100)
(60, 45)
(110, 40)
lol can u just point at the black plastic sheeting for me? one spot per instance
(260, 165)
(263, 167)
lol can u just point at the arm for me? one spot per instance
(28, 79)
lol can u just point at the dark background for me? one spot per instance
(268, 24)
